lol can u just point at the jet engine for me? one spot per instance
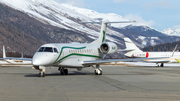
(108, 48)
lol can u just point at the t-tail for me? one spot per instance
(102, 35)
(131, 48)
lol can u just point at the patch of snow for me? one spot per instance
(144, 43)
(172, 31)
(149, 64)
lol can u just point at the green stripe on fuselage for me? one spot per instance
(58, 59)
(79, 55)
(67, 47)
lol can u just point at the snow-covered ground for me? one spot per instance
(15, 63)
(142, 64)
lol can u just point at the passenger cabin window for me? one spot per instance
(48, 49)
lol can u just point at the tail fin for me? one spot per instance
(22, 56)
(102, 35)
(131, 47)
(174, 50)
(4, 52)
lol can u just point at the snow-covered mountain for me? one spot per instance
(172, 31)
(63, 16)
(69, 17)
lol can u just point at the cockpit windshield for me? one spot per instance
(48, 49)
(41, 49)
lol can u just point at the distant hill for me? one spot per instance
(163, 47)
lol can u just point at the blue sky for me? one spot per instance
(159, 14)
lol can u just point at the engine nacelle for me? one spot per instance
(108, 48)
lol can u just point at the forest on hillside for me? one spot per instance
(163, 47)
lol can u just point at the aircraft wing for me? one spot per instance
(117, 60)
(157, 60)
(25, 59)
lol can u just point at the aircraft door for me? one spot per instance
(58, 51)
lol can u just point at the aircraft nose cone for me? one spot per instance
(36, 62)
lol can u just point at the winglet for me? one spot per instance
(177, 60)
(4, 52)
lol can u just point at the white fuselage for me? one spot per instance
(171, 58)
(67, 55)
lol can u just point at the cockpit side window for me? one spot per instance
(48, 49)
(41, 49)
(55, 50)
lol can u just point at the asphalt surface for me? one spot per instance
(118, 83)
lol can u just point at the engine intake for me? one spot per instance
(108, 48)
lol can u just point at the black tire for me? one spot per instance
(39, 74)
(43, 74)
(62, 72)
(95, 72)
(66, 71)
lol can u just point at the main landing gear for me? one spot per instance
(63, 71)
(97, 70)
(162, 65)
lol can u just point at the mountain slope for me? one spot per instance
(15, 26)
(48, 21)
(163, 47)
(18, 41)
(172, 31)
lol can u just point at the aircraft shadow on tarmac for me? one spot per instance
(58, 74)
(87, 73)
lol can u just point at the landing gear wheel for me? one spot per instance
(39, 74)
(42, 74)
(95, 72)
(66, 71)
(98, 72)
(162, 65)
(157, 65)
(62, 71)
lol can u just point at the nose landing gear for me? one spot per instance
(42, 73)
(63, 71)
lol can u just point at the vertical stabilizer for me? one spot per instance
(22, 56)
(102, 35)
(131, 47)
(4, 52)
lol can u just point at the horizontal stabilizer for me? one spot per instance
(111, 22)
(122, 50)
